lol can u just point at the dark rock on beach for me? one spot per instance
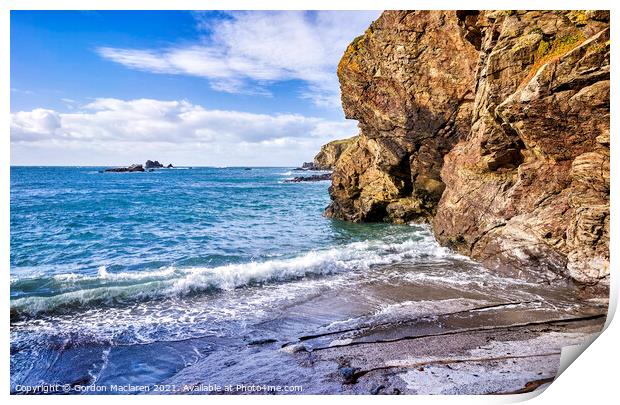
(314, 177)
(169, 166)
(132, 168)
(347, 374)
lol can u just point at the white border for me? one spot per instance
(592, 377)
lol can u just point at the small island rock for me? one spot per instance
(152, 165)
(132, 168)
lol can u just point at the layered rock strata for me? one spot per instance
(493, 126)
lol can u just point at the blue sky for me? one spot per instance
(194, 88)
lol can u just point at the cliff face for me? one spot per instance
(412, 99)
(330, 153)
(493, 126)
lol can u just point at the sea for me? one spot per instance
(123, 279)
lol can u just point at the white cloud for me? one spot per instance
(22, 91)
(108, 129)
(36, 124)
(246, 51)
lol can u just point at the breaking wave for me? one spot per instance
(73, 291)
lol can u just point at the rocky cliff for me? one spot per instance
(330, 153)
(413, 100)
(493, 126)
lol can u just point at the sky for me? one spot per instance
(209, 88)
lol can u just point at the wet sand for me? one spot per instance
(498, 337)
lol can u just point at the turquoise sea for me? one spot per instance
(84, 239)
(130, 278)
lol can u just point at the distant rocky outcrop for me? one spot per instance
(305, 166)
(153, 165)
(314, 177)
(132, 168)
(150, 165)
(493, 126)
(330, 153)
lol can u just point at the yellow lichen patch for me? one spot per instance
(543, 49)
(549, 52)
(480, 170)
(354, 46)
(578, 17)
(350, 55)
(536, 30)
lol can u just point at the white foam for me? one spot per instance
(108, 287)
(102, 273)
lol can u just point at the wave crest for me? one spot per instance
(106, 288)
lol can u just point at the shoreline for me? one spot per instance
(496, 347)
